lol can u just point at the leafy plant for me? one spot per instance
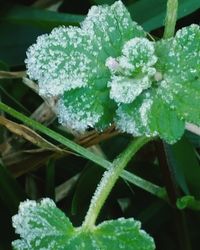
(109, 71)
(134, 83)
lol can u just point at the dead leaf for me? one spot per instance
(12, 75)
(93, 137)
(28, 134)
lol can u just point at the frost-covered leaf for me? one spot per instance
(179, 56)
(43, 226)
(149, 115)
(123, 234)
(110, 27)
(125, 90)
(174, 95)
(132, 71)
(72, 58)
(129, 117)
(183, 98)
(83, 107)
(179, 62)
(54, 61)
(164, 121)
(137, 57)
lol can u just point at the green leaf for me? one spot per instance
(184, 162)
(43, 226)
(155, 16)
(80, 108)
(149, 115)
(83, 107)
(39, 18)
(130, 119)
(164, 121)
(179, 63)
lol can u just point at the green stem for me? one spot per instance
(109, 179)
(134, 179)
(171, 16)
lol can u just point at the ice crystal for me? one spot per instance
(125, 90)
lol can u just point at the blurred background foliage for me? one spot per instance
(29, 170)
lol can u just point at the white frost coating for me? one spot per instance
(125, 90)
(97, 26)
(22, 219)
(191, 31)
(132, 72)
(35, 221)
(20, 245)
(110, 26)
(56, 63)
(138, 52)
(127, 233)
(126, 123)
(144, 111)
(74, 119)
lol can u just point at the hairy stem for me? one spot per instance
(160, 192)
(171, 16)
(109, 179)
(148, 186)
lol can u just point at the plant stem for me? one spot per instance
(148, 186)
(160, 192)
(171, 16)
(109, 179)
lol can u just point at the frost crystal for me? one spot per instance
(125, 90)
(126, 123)
(138, 52)
(78, 120)
(55, 62)
(144, 110)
